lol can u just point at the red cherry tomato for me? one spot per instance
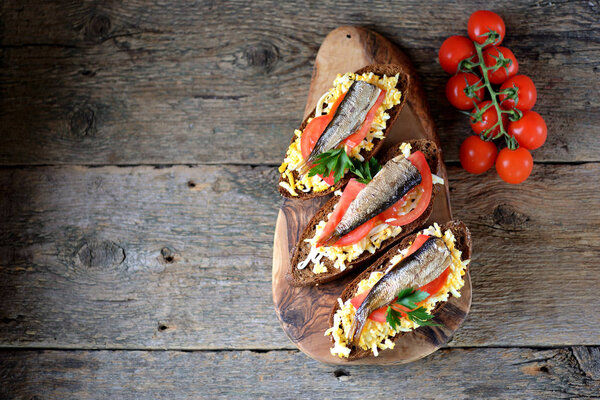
(482, 22)
(453, 51)
(489, 118)
(527, 95)
(514, 166)
(476, 155)
(457, 94)
(530, 131)
(503, 73)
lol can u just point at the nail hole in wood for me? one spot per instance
(87, 72)
(348, 36)
(338, 373)
(544, 369)
(191, 184)
(162, 327)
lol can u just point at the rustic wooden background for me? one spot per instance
(138, 145)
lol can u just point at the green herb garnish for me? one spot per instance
(408, 298)
(366, 170)
(337, 160)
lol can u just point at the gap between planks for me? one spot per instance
(235, 164)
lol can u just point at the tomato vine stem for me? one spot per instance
(470, 65)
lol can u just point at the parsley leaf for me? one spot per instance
(338, 161)
(366, 170)
(393, 318)
(408, 298)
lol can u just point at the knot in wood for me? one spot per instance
(97, 28)
(167, 255)
(104, 254)
(507, 216)
(83, 122)
(293, 317)
(588, 360)
(263, 55)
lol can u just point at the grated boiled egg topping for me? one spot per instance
(378, 335)
(293, 158)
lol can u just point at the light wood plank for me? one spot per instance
(164, 82)
(180, 258)
(455, 373)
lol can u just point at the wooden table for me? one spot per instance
(138, 146)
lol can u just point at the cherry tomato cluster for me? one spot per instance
(499, 102)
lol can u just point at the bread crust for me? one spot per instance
(463, 243)
(305, 277)
(403, 86)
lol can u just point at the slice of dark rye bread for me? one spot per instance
(463, 243)
(402, 86)
(305, 277)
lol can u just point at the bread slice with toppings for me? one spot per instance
(462, 243)
(308, 277)
(290, 177)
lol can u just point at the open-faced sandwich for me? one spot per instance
(360, 222)
(352, 118)
(401, 291)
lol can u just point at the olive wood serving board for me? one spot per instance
(304, 312)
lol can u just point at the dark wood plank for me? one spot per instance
(180, 258)
(453, 373)
(160, 82)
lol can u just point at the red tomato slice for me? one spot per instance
(312, 132)
(314, 129)
(336, 104)
(349, 194)
(354, 140)
(330, 180)
(357, 234)
(418, 160)
(435, 285)
(419, 240)
(379, 315)
(358, 299)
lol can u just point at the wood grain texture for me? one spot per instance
(520, 373)
(141, 82)
(176, 266)
(304, 311)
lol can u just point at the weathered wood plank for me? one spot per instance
(160, 82)
(453, 373)
(180, 258)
